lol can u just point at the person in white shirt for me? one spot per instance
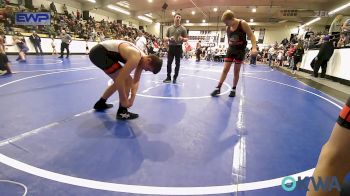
(272, 52)
(141, 42)
(53, 45)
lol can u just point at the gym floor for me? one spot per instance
(184, 142)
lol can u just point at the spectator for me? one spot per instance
(65, 10)
(141, 42)
(280, 53)
(346, 31)
(309, 36)
(323, 56)
(272, 56)
(36, 41)
(198, 51)
(53, 45)
(187, 50)
(253, 57)
(42, 8)
(342, 41)
(336, 27)
(53, 8)
(298, 56)
(66, 40)
(78, 15)
(87, 47)
(290, 54)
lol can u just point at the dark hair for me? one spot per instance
(177, 14)
(156, 63)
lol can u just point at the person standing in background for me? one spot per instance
(36, 41)
(297, 56)
(53, 45)
(198, 51)
(141, 42)
(323, 56)
(176, 35)
(66, 40)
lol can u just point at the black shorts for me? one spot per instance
(106, 60)
(234, 55)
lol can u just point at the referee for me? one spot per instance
(176, 35)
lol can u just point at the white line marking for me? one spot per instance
(17, 63)
(17, 183)
(49, 70)
(39, 75)
(188, 98)
(27, 134)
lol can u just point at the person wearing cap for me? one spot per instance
(118, 58)
(323, 56)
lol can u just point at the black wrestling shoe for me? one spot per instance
(167, 80)
(126, 115)
(101, 106)
(215, 93)
(232, 93)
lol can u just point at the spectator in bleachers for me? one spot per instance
(8, 26)
(342, 40)
(65, 10)
(346, 31)
(53, 8)
(323, 56)
(2, 3)
(308, 38)
(78, 15)
(36, 41)
(66, 40)
(265, 55)
(42, 8)
(284, 42)
(336, 27)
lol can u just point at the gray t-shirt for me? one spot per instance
(66, 38)
(176, 32)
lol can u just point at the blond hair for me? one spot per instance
(227, 15)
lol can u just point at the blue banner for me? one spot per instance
(33, 18)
